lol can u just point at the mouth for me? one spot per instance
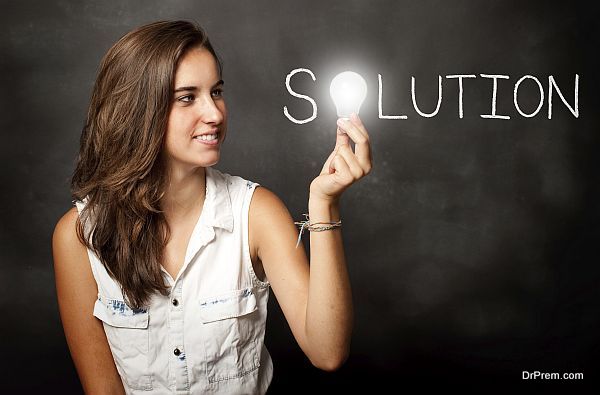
(209, 140)
(208, 137)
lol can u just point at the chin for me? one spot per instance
(209, 163)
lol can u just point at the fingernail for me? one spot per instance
(341, 121)
(354, 116)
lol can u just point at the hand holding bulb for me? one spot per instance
(344, 166)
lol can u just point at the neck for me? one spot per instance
(184, 193)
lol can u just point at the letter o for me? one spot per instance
(541, 103)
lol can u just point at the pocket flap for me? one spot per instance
(228, 305)
(115, 312)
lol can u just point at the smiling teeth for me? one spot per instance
(207, 137)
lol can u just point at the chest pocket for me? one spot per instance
(230, 324)
(128, 337)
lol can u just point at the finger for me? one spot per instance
(358, 122)
(363, 147)
(357, 134)
(355, 168)
(342, 170)
(326, 166)
(342, 138)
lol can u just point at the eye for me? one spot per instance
(187, 98)
(217, 92)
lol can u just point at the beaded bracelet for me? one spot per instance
(312, 228)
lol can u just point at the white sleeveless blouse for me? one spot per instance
(207, 336)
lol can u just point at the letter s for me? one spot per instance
(314, 105)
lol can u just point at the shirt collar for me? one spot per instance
(219, 212)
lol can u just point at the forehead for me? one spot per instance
(197, 67)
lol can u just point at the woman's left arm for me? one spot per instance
(315, 299)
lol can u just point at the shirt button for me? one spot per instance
(176, 351)
(175, 302)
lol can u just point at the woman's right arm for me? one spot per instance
(77, 292)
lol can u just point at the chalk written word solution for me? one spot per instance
(552, 87)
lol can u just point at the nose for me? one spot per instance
(210, 112)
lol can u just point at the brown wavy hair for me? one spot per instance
(120, 168)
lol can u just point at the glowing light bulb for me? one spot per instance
(348, 91)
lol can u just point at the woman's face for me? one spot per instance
(198, 110)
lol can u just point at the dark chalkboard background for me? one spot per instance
(471, 245)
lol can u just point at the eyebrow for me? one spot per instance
(195, 88)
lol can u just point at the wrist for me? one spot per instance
(323, 210)
(320, 199)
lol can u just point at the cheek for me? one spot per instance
(223, 108)
(176, 135)
(172, 125)
(178, 125)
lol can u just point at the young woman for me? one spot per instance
(163, 268)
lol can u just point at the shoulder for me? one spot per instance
(65, 228)
(266, 203)
(269, 218)
(66, 245)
